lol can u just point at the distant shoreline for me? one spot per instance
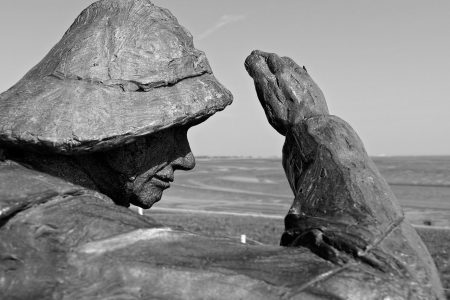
(254, 215)
(431, 156)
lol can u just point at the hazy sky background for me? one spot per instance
(384, 66)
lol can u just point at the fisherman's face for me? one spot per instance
(146, 166)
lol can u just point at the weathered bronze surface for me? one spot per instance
(344, 211)
(123, 69)
(101, 123)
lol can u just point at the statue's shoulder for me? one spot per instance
(33, 197)
(42, 220)
(22, 188)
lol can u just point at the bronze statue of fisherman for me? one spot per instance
(101, 123)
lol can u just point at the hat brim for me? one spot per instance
(68, 115)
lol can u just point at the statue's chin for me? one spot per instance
(146, 196)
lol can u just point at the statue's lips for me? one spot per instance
(157, 180)
(160, 181)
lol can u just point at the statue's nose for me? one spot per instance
(186, 162)
(183, 158)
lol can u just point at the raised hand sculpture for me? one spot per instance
(344, 211)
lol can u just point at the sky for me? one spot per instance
(384, 66)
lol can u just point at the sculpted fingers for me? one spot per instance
(269, 94)
(285, 90)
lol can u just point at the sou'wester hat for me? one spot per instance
(125, 68)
